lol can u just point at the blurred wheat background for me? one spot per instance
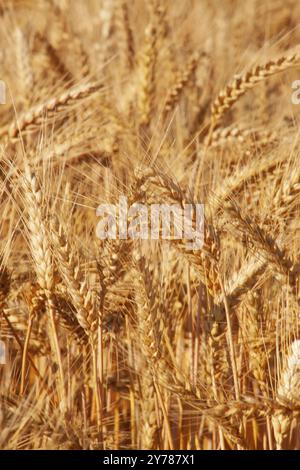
(121, 344)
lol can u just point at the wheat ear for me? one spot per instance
(288, 392)
(70, 273)
(181, 81)
(25, 73)
(41, 253)
(242, 83)
(147, 75)
(50, 108)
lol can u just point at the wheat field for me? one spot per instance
(148, 344)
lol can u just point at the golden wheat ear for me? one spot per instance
(241, 84)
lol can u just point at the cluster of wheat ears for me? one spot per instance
(123, 344)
